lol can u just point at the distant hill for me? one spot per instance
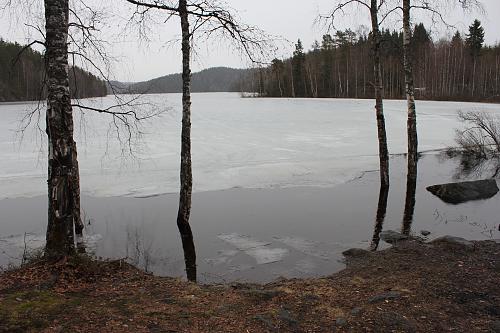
(23, 81)
(216, 79)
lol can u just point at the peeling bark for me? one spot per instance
(379, 94)
(410, 93)
(186, 176)
(62, 169)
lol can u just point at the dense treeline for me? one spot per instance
(21, 78)
(460, 68)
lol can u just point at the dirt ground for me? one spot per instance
(411, 287)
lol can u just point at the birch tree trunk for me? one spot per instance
(62, 170)
(186, 176)
(379, 105)
(410, 93)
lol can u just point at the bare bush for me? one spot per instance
(481, 137)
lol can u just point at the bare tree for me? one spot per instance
(70, 31)
(410, 93)
(374, 7)
(62, 171)
(209, 18)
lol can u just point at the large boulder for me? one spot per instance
(456, 193)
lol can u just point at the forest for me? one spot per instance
(461, 68)
(22, 72)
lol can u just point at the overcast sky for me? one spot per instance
(290, 19)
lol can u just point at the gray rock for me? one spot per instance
(453, 241)
(356, 253)
(356, 311)
(456, 193)
(391, 236)
(341, 322)
(394, 322)
(425, 233)
(287, 317)
(391, 295)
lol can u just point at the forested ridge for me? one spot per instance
(22, 76)
(460, 68)
(215, 79)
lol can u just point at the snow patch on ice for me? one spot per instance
(259, 250)
(305, 246)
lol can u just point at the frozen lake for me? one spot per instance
(249, 143)
(276, 185)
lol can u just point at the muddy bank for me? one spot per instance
(411, 287)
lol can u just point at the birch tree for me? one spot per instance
(374, 7)
(62, 152)
(210, 18)
(410, 93)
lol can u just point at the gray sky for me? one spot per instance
(290, 19)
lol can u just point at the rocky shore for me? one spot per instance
(449, 284)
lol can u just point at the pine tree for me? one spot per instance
(474, 41)
(298, 70)
(475, 38)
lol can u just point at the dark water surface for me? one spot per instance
(259, 235)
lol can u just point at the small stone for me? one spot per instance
(451, 240)
(356, 311)
(391, 236)
(425, 233)
(391, 295)
(340, 322)
(19, 299)
(287, 317)
(356, 253)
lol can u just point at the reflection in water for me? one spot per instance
(189, 251)
(471, 167)
(379, 220)
(411, 189)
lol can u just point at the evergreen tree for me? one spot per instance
(298, 70)
(475, 38)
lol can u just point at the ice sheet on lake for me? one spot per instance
(242, 242)
(266, 255)
(305, 246)
(259, 250)
(223, 257)
(237, 142)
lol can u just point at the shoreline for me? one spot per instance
(301, 232)
(411, 287)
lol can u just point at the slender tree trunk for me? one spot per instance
(186, 176)
(62, 171)
(410, 93)
(379, 105)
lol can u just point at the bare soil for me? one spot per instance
(411, 287)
